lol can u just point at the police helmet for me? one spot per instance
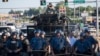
(82, 34)
(37, 31)
(86, 31)
(8, 34)
(50, 5)
(42, 32)
(59, 31)
(21, 34)
(4, 34)
(14, 33)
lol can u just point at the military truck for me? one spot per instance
(49, 23)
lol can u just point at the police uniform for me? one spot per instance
(25, 43)
(12, 46)
(82, 46)
(93, 43)
(90, 39)
(3, 44)
(38, 43)
(1, 47)
(58, 44)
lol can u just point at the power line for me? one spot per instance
(73, 1)
(18, 8)
(50, 2)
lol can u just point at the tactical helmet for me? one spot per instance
(37, 31)
(21, 34)
(14, 33)
(42, 32)
(59, 31)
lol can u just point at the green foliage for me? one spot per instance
(31, 11)
(15, 12)
(69, 11)
(89, 8)
(81, 8)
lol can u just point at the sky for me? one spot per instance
(26, 4)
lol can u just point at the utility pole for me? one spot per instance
(97, 19)
(74, 11)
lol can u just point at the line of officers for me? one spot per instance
(10, 45)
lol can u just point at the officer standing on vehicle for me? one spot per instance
(58, 43)
(37, 43)
(50, 9)
(13, 45)
(25, 45)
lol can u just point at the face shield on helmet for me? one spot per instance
(21, 35)
(14, 35)
(8, 34)
(4, 36)
(37, 33)
(43, 33)
(59, 32)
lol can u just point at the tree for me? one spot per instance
(70, 11)
(18, 12)
(25, 12)
(89, 9)
(81, 9)
(31, 11)
(11, 12)
(15, 12)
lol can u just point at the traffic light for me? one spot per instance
(42, 2)
(4, 0)
(66, 2)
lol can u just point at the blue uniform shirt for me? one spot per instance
(58, 43)
(91, 40)
(37, 43)
(82, 46)
(13, 44)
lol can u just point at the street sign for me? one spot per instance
(66, 2)
(42, 2)
(79, 1)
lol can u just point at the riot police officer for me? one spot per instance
(50, 9)
(81, 46)
(58, 43)
(3, 40)
(13, 45)
(25, 45)
(90, 38)
(37, 43)
(42, 34)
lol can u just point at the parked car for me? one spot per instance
(7, 28)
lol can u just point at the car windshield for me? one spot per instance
(5, 29)
(10, 24)
(24, 30)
